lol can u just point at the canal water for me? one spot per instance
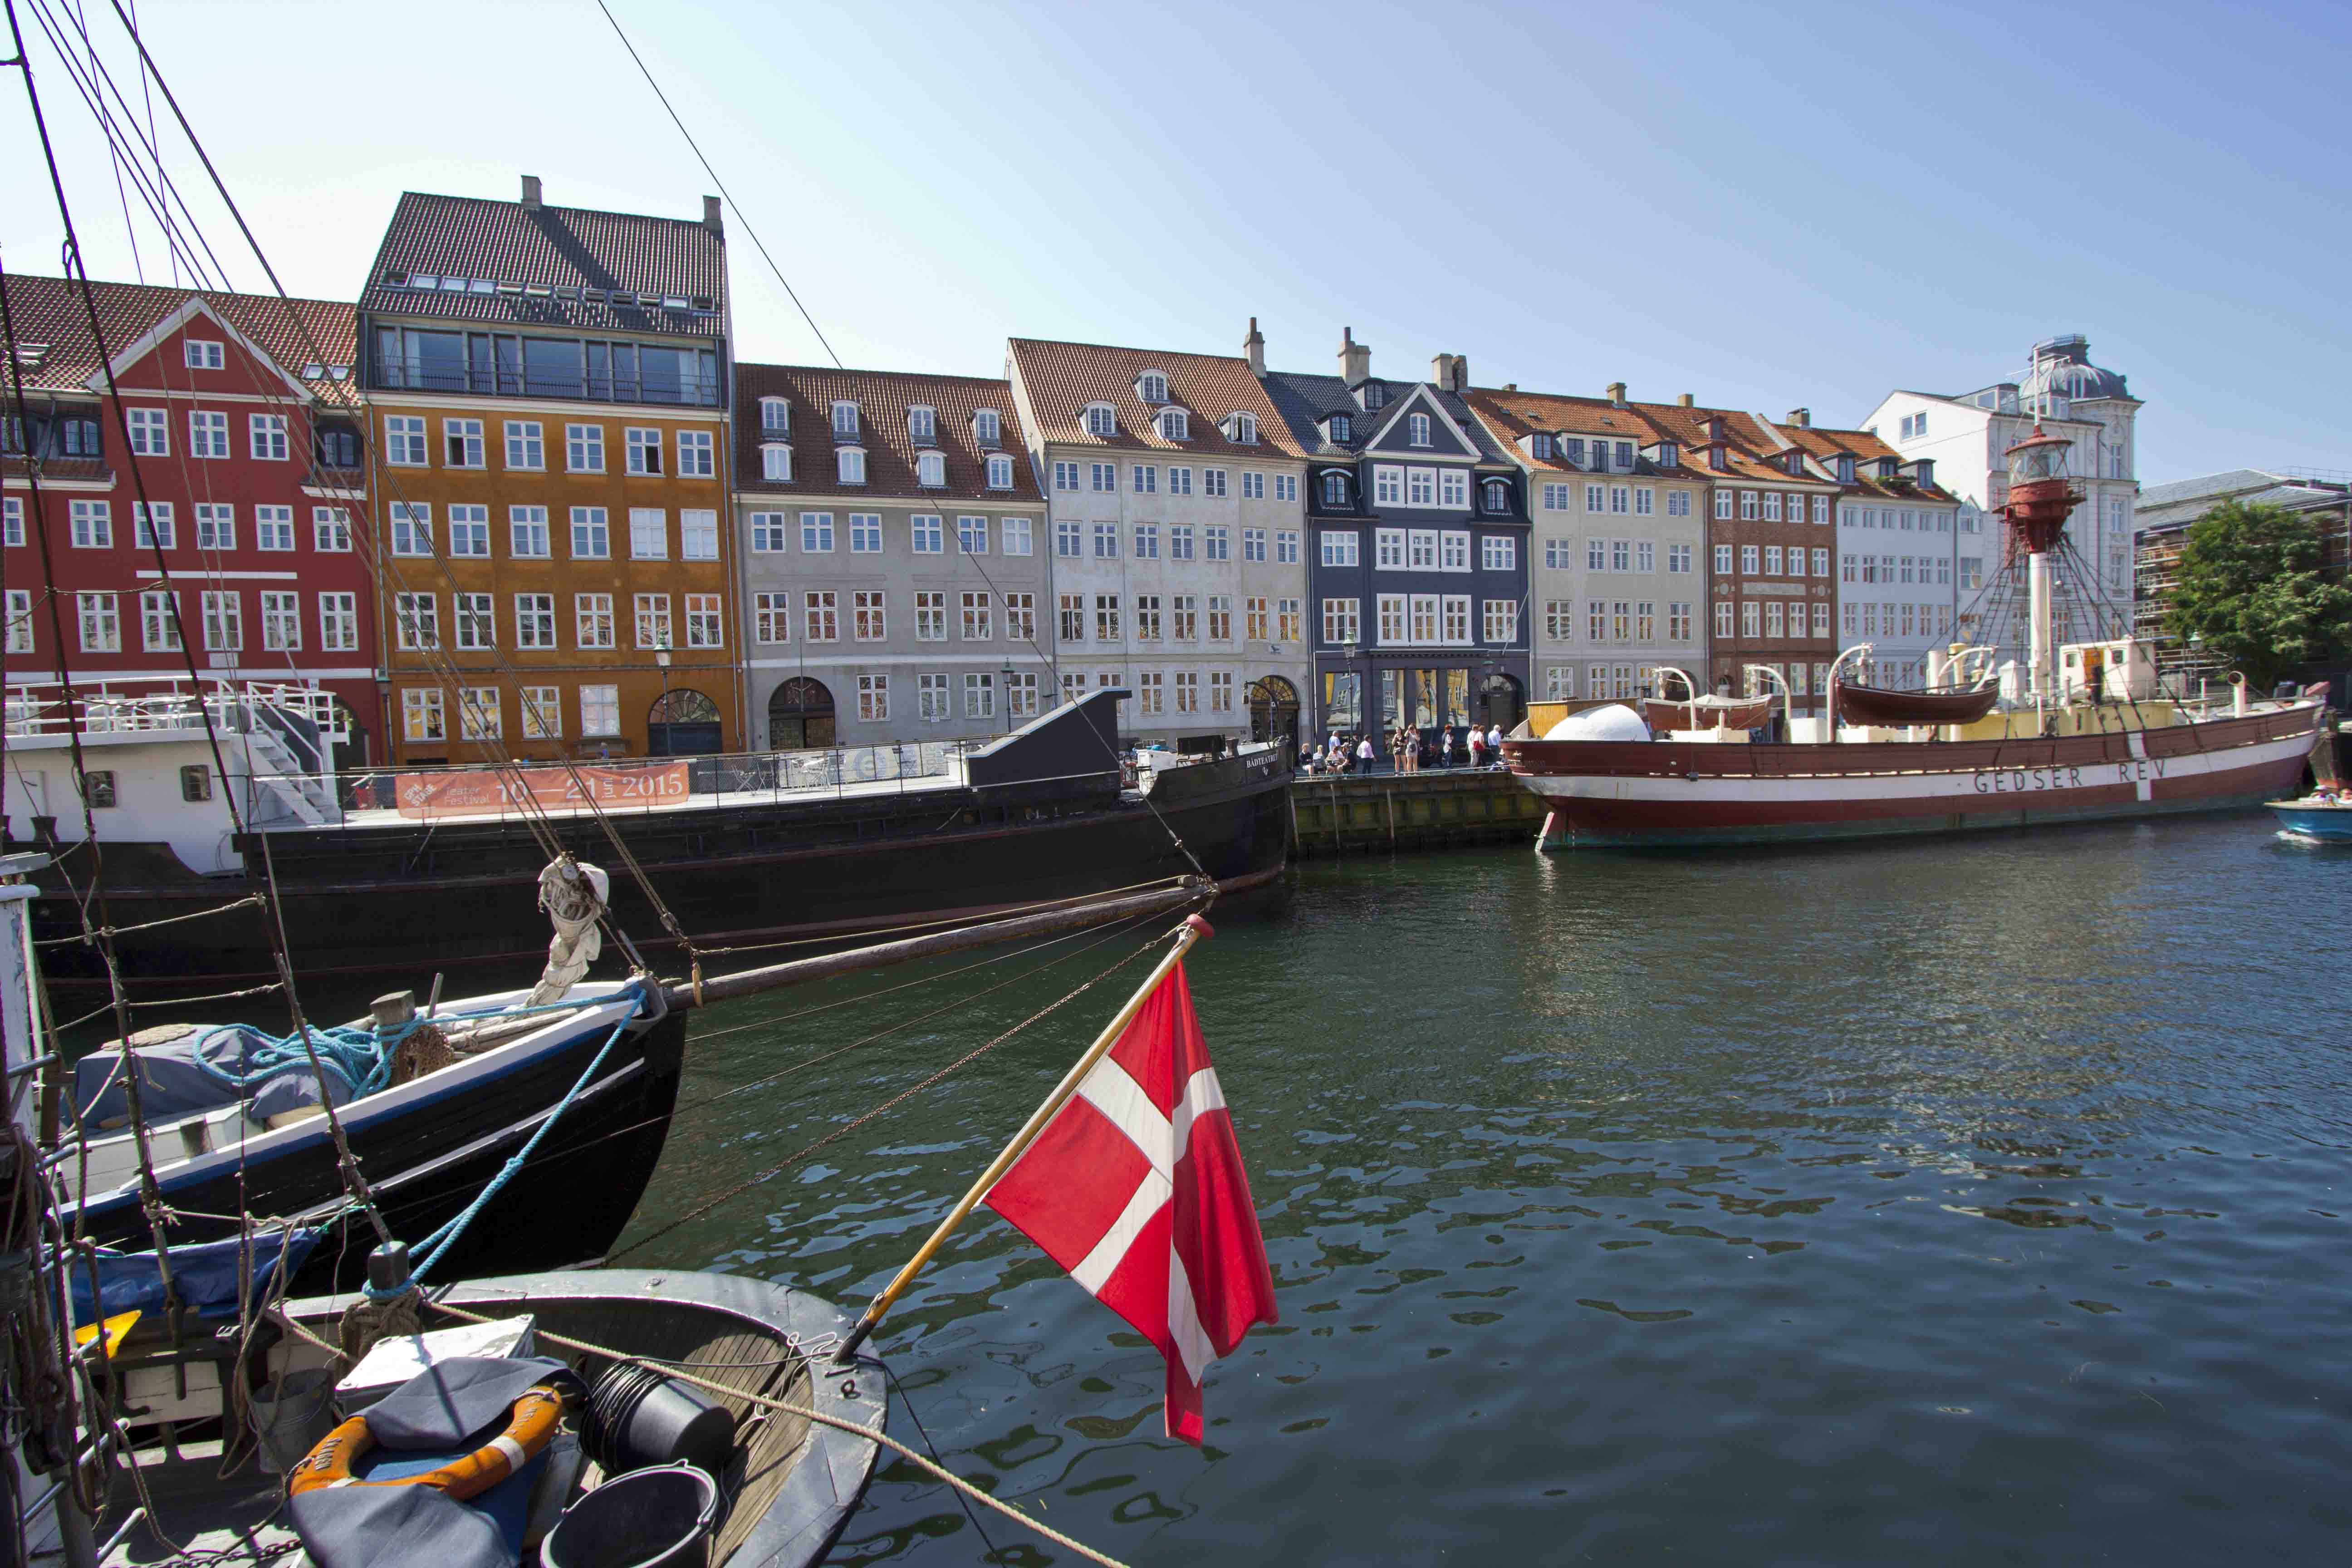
(1974, 1199)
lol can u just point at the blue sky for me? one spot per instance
(1768, 207)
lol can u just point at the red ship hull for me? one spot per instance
(1608, 793)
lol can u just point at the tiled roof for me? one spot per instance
(548, 265)
(1062, 379)
(883, 398)
(1306, 401)
(49, 313)
(1749, 445)
(1509, 416)
(1867, 450)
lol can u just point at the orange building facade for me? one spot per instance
(548, 394)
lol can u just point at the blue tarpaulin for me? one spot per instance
(204, 1275)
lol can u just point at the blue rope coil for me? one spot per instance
(360, 1057)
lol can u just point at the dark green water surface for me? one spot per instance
(1974, 1199)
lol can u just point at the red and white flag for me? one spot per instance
(1136, 1186)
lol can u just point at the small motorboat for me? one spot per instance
(2324, 816)
(786, 1484)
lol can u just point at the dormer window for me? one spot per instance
(1342, 430)
(1887, 467)
(1495, 497)
(849, 464)
(1335, 490)
(1241, 428)
(1101, 420)
(1670, 454)
(1844, 469)
(1572, 447)
(1714, 425)
(1175, 425)
(1539, 447)
(931, 470)
(775, 461)
(922, 425)
(1417, 429)
(1719, 458)
(1151, 387)
(999, 472)
(844, 420)
(1796, 461)
(987, 427)
(1375, 395)
(775, 416)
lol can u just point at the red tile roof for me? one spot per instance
(1063, 379)
(49, 311)
(1511, 415)
(1867, 450)
(883, 398)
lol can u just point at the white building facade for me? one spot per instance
(1968, 437)
(1175, 537)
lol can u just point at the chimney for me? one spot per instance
(711, 218)
(1689, 400)
(1802, 418)
(1355, 359)
(1510, 386)
(1461, 372)
(1617, 392)
(1253, 346)
(531, 193)
(1450, 373)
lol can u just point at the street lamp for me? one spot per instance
(1008, 695)
(661, 657)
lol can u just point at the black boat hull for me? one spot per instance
(366, 908)
(566, 1204)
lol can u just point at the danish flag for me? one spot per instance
(1136, 1186)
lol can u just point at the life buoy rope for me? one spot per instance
(532, 1424)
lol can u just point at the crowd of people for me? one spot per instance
(1406, 748)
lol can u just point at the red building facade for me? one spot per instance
(242, 468)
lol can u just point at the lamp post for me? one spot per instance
(1346, 668)
(661, 658)
(1008, 695)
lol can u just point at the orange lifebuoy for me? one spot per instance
(532, 1424)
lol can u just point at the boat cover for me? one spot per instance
(452, 1406)
(204, 1274)
(199, 1070)
(1879, 705)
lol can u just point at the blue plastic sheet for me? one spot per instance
(204, 1274)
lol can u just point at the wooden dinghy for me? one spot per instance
(1891, 708)
(1708, 712)
(788, 1486)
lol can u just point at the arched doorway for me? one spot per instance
(1274, 711)
(682, 724)
(800, 716)
(1501, 701)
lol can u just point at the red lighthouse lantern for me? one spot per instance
(2040, 492)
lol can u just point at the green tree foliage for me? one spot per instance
(2249, 585)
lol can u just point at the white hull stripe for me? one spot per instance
(1830, 789)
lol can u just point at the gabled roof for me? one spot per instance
(1063, 379)
(49, 313)
(548, 265)
(1750, 445)
(1509, 416)
(1306, 400)
(883, 398)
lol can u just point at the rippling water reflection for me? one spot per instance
(1967, 1200)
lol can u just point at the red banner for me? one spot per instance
(553, 789)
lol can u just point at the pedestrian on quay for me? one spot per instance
(1307, 756)
(1397, 744)
(1445, 746)
(1365, 755)
(1477, 747)
(1494, 745)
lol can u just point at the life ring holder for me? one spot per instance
(531, 1425)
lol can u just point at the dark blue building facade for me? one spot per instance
(1417, 537)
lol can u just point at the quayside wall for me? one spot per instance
(1438, 810)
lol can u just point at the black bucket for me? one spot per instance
(637, 1417)
(660, 1517)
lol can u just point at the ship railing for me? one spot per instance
(34, 710)
(631, 786)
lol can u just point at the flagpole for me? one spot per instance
(1194, 929)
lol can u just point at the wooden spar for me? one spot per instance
(800, 970)
(1194, 928)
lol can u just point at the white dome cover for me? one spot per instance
(1614, 723)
